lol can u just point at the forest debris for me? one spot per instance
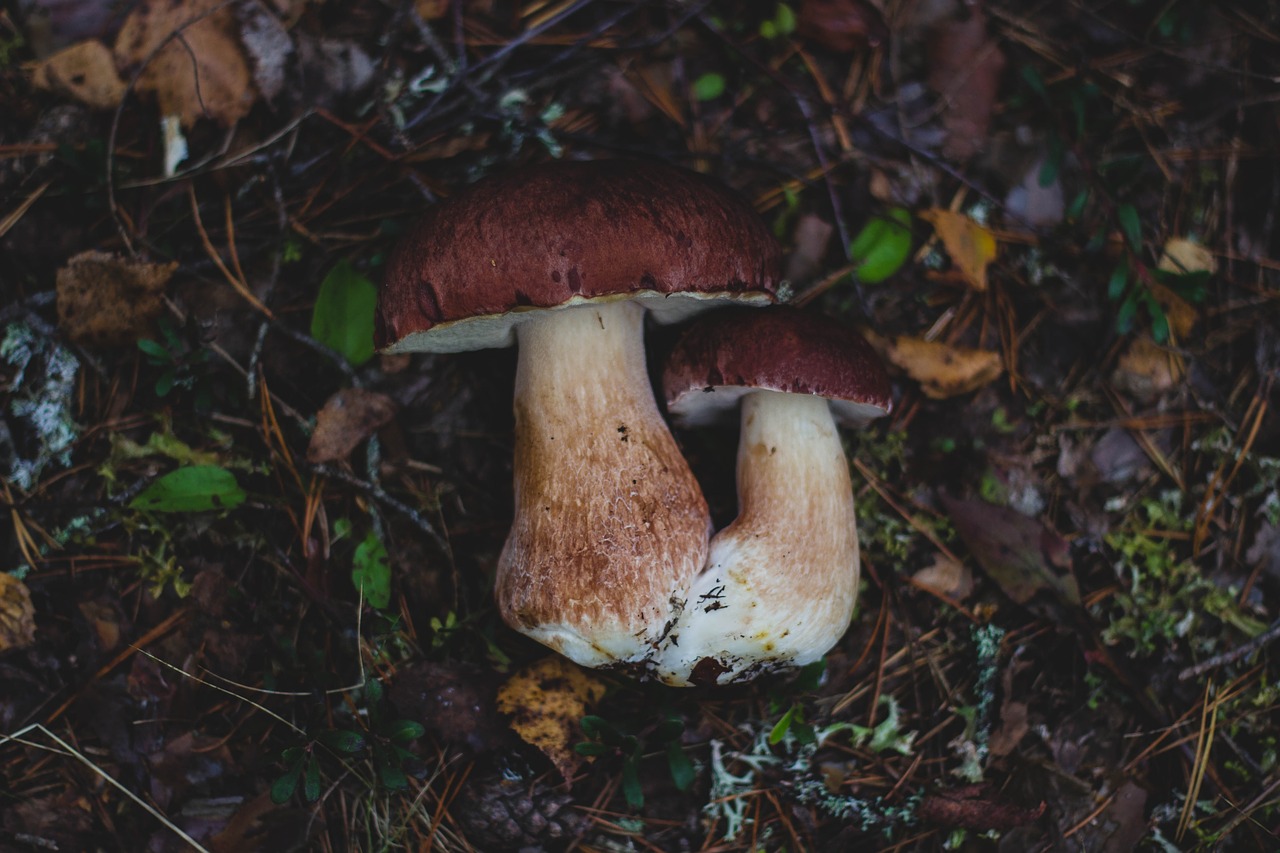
(840, 25)
(1023, 556)
(811, 237)
(545, 701)
(105, 300)
(41, 394)
(268, 46)
(455, 701)
(202, 72)
(1147, 370)
(85, 71)
(941, 369)
(946, 577)
(348, 418)
(971, 247)
(964, 69)
(977, 808)
(17, 614)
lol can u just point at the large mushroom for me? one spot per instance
(781, 580)
(610, 526)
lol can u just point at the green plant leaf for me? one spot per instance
(282, 789)
(154, 352)
(882, 246)
(389, 772)
(341, 741)
(783, 725)
(371, 572)
(631, 788)
(311, 783)
(195, 488)
(709, 86)
(403, 731)
(1128, 216)
(682, 773)
(343, 313)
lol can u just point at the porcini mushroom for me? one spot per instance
(781, 580)
(610, 526)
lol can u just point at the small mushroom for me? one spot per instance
(610, 526)
(782, 579)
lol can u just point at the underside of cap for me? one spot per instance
(564, 233)
(726, 355)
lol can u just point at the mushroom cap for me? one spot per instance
(724, 356)
(566, 233)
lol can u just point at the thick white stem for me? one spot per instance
(781, 580)
(610, 526)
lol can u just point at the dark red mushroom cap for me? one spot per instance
(723, 356)
(568, 232)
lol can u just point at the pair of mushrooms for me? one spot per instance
(610, 559)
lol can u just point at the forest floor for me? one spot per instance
(246, 590)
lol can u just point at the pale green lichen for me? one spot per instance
(42, 401)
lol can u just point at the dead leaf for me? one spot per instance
(811, 237)
(1022, 555)
(971, 247)
(941, 369)
(348, 418)
(430, 10)
(85, 71)
(1181, 256)
(545, 701)
(1013, 716)
(1146, 370)
(104, 300)
(202, 72)
(964, 69)
(17, 615)
(840, 25)
(946, 577)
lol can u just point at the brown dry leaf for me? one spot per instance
(348, 418)
(105, 300)
(202, 72)
(964, 69)
(1181, 256)
(840, 25)
(85, 71)
(972, 247)
(811, 237)
(430, 10)
(946, 577)
(1146, 370)
(941, 369)
(545, 701)
(17, 615)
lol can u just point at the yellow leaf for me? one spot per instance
(84, 71)
(1181, 256)
(1146, 370)
(17, 616)
(941, 369)
(545, 701)
(971, 247)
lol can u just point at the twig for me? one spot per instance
(379, 494)
(1265, 638)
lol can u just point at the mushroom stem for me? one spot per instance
(782, 579)
(610, 526)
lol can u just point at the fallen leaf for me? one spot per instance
(545, 701)
(348, 418)
(941, 369)
(840, 25)
(811, 237)
(429, 10)
(971, 247)
(17, 615)
(946, 577)
(104, 300)
(1181, 256)
(1013, 716)
(85, 71)
(201, 72)
(964, 69)
(975, 807)
(1023, 556)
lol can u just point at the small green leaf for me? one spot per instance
(709, 86)
(1076, 209)
(282, 789)
(311, 784)
(1118, 281)
(783, 725)
(882, 246)
(785, 20)
(631, 788)
(403, 731)
(591, 747)
(389, 772)
(1034, 81)
(155, 352)
(343, 313)
(341, 741)
(598, 728)
(668, 729)
(1128, 216)
(196, 488)
(371, 573)
(682, 772)
(293, 755)
(372, 692)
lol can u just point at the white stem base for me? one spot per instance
(610, 526)
(781, 580)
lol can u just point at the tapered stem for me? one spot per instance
(610, 526)
(781, 580)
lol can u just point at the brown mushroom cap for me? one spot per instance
(723, 356)
(566, 233)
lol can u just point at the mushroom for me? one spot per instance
(781, 580)
(610, 526)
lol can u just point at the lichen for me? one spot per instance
(40, 399)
